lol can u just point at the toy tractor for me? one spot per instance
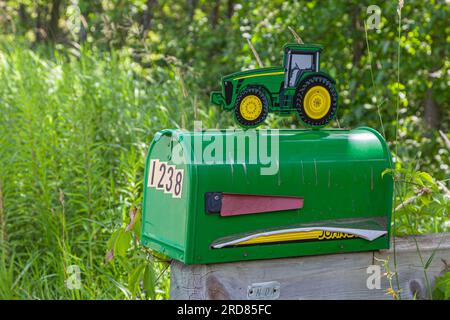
(298, 86)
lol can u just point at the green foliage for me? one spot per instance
(421, 206)
(7, 277)
(442, 287)
(124, 246)
(74, 134)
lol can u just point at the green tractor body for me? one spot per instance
(283, 90)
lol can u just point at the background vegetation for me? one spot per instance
(86, 84)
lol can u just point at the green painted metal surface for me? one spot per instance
(337, 172)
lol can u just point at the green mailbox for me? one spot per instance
(229, 195)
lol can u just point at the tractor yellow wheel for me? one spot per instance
(251, 107)
(317, 102)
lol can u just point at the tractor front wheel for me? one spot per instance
(316, 101)
(251, 107)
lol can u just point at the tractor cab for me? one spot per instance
(298, 59)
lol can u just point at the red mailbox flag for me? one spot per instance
(239, 204)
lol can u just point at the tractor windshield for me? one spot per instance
(298, 63)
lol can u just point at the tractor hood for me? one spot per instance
(254, 73)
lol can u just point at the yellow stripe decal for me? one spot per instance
(298, 234)
(260, 75)
(293, 236)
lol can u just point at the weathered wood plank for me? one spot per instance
(410, 265)
(338, 276)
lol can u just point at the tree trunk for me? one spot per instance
(230, 9)
(41, 33)
(358, 39)
(192, 4)
(148, 15)
(54, 19)
(23, 16)
(215, 14)
(431, 110)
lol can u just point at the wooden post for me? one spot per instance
(337, 276)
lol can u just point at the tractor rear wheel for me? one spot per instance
(316, 101)
(251, 107)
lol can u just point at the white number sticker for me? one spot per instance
(168, 185)
(178, 186)
(151, 181)
(163, 176)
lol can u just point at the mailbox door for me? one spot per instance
(166, 197)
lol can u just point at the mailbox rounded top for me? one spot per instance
(229, 146)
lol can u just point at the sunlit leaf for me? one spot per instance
(122, 243)
(134, 278)
(149, 281)
(426, 176)
(386, 171)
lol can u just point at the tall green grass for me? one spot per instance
(74, 132)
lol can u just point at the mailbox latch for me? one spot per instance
(213, 202)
